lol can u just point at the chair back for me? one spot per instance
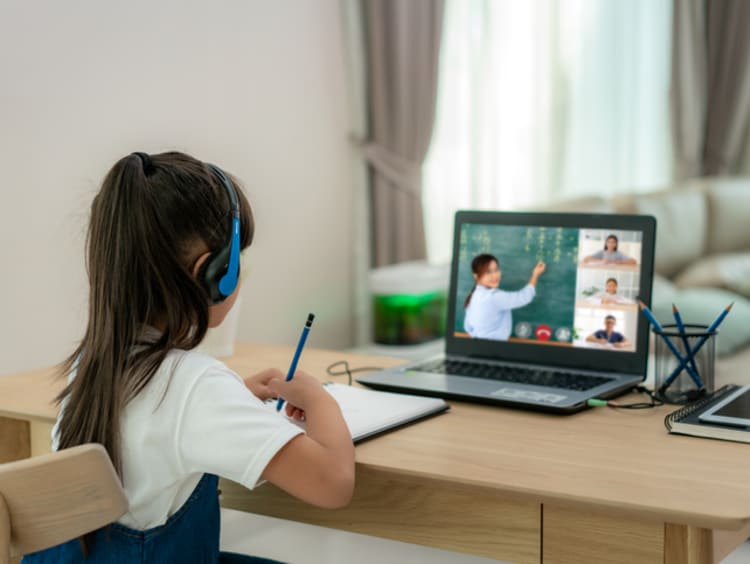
(53, 498)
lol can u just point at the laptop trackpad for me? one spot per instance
(528, 395)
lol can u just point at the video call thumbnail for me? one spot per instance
(549, 285)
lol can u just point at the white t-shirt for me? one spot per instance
(207, 421)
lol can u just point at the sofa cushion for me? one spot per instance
(730, 271)
(681, 219)
(663, 288)
(728, 204)
(701, 306)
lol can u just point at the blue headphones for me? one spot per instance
(220, 272)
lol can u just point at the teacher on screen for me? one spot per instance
(488, 309)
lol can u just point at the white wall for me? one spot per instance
(257, 87)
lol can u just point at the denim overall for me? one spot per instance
(190, 535)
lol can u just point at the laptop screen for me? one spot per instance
(563, 286)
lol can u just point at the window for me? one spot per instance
(543, 100)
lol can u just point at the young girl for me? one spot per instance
(610, 254)
(163, 247)
(489, 309)
(609, 295)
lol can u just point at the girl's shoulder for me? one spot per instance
(191, 360)
(181, 371)
(194, 364)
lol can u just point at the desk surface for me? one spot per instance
(618, 460)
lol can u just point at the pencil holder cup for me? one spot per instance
(672, 380)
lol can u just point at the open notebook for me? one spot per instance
(368, 413)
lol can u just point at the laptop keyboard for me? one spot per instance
(516, 374)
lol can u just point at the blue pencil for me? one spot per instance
(670, 346)
(711, 328)
(297, 353)
(686, 344)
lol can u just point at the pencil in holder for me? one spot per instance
(672, 379)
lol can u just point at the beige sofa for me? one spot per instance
(702, 258)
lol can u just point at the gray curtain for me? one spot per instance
(402, 41)
(710, 85)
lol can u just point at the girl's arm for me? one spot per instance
(317, 467)
(622, 258)
(596, 257)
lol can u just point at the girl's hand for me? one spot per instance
(300, 392)
(258, 383)
(294, 412)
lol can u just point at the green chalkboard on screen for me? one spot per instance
(518, 249)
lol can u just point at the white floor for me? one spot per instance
(295, 543)
(739, 556)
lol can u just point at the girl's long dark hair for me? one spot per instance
(617, 242)
(479, 265)
(145, 226)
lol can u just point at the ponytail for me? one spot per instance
(468, 297)
(99, 391)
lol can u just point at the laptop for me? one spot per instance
(542, 312)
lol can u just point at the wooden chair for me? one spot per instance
(50, 499)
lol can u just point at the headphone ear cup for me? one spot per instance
(210, 273)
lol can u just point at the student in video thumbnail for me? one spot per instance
(610, 254)
(610, 295)
(608, 335)
(488, 309)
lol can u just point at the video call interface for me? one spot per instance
(556, 286)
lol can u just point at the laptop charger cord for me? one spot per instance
(654, 401)
(348, 371)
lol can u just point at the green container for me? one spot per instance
(409, 303)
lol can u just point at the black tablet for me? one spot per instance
(732, 410)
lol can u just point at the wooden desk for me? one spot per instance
(603, 486)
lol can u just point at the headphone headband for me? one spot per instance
(234, 202)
